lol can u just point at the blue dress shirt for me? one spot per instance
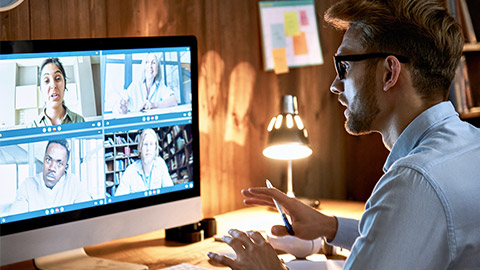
(424, 212)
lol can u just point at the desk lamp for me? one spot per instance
(287, 137)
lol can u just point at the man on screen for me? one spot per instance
(52, 187)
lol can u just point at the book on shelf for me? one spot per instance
(175, 129)
(109, 183)
(185, 136)
(180, 143)
(120, 140)
(174, 178)
(109, 167)
(119, 165)
(474, 8)
(118, 176)
(108, 142)
(460, 90)
(467, 23)
(130, 140)
(108, 155)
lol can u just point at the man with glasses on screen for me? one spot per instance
(394, 69)
(53, 186)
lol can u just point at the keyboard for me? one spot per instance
(185, 266)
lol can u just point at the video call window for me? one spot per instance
(25, 93)
(170, 149)
(163, 78)
(46, 175)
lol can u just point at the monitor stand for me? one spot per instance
(78, 259)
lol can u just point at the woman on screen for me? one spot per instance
(149, 172)
(52, 87)
(150, 92)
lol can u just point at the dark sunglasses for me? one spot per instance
(340, 60)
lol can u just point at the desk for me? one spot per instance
(154, 251)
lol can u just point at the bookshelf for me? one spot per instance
(120, 151)
(175, 147)
(176, 150)
(465, 89)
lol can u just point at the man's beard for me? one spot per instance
(366, 108)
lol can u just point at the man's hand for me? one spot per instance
(307, 222)
(252, 251)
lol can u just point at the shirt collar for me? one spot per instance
(416, 130)
(43, 119)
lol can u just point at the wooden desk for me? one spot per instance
(154, 251)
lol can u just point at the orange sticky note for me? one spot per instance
(280, 60)
(300, 44)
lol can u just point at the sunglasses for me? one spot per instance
(340, 60)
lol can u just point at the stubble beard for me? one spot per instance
(359, 122)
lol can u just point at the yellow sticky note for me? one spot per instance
(292, 27)
(280, 60)
(300, 44)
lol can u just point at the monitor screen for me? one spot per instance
(97, 136)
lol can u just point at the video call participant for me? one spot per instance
(53, 186)
(53, 86)
(149, 172)
(150, 92)
(394, 69)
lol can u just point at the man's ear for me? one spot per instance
(392, 72)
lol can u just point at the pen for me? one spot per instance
(280, 210)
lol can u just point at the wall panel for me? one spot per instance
(237, 98)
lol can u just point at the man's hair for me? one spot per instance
(63, 143)
(421, 30)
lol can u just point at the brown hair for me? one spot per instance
(421, 30)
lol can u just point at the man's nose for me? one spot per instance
(336, 87)
(51, 166)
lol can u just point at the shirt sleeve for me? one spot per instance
(403, 227)
(81, 191)
(125, 181)
(166, 179)
(20, 205)
(347, 233)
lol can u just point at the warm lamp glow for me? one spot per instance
(287, 151)
(287, 136)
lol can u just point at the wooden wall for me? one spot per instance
(237, 98)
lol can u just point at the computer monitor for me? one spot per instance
(99, 140)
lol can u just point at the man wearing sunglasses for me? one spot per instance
(394, 69)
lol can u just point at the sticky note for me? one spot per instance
(300, 44)
(280, 60)
(278, 36)
(303, 18)
(292, 28)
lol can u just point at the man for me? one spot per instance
(394, 68)
(53, 186)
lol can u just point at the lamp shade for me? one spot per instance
(287, 136)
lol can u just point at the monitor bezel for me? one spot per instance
(101, 44)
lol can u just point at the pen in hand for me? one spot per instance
(280, 210)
